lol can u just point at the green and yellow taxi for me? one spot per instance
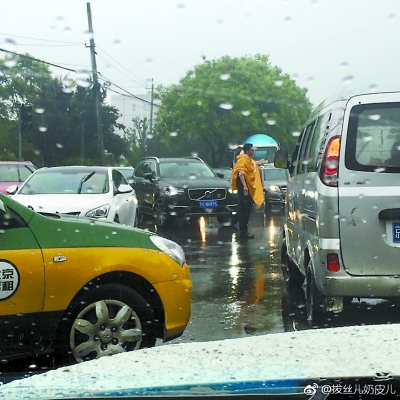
(82, 289)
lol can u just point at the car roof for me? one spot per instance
(77, 167)
(16, 163)
(176, 159)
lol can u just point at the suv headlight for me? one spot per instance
(232, 191)
(171, 248)
(173, 191)
(99, 212)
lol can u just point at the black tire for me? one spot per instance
(160, 214)
(116, 219)
(137, 218)
(291, 274)
(109, 320)
(228, 220)
(314, 299)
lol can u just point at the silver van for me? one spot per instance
(342, 216)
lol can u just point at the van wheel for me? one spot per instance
(314, 299)
(291, 274)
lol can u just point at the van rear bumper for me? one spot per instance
(362, 286)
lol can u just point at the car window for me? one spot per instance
(375, 137)
(118, 179)
(9, 219)
(144, 168)
(185, 169)
(274, 174)
(66, 182)
(9, 173)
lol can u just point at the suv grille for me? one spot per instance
(207, 194)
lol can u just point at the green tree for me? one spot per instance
(63, 128)
(221, 102)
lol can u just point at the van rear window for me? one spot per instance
(373, 141)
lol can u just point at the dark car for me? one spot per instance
(14, 173)
(183, 188)
(274, 182)
(223, 172)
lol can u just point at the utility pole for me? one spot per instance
(96, 87)
(151, 107)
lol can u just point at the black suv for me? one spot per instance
(184, 187)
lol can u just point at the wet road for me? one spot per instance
(237, 284)
(238, 288)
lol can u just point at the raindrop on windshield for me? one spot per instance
(226, 106)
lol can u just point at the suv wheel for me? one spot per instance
(228, 220)
(160, 214)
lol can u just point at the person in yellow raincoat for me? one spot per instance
(246, 179)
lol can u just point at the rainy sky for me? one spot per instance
(327, 46)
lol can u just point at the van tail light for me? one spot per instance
(332, 260)
(330, 162)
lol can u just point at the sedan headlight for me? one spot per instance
(171, 248)
(173, 191)
(99, 212)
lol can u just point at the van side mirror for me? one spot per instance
(281, 159)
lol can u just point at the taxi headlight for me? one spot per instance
(171, 248)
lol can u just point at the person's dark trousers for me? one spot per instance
(245, 206)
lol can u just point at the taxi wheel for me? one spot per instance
(110, 320)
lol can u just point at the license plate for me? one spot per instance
(208, 204)
(396, 232)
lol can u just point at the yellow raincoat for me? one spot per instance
(251, 172)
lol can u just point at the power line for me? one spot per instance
(116, 68)
(35, 59)
(128, 93)
(42, 40)
(73, 70)
(122, 65)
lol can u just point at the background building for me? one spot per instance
(133, 107)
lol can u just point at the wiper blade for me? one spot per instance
(85, 179)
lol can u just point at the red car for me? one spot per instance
(14, 173)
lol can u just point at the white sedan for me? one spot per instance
(96, 192)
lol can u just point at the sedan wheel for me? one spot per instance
(113, 319)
